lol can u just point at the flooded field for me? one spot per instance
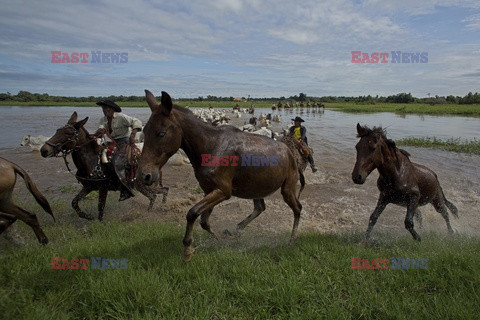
(331, 202)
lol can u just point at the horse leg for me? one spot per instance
(258, 207)
(164, 190)
(147, 191)
(289, 196)
(102, 199)
(206, 224)
(206, 204)
(419, 218)
(6, 220)
(29, 218)
(411, 209)
(82, 194)
(381, 204)
(441, 208)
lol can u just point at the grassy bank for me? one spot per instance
(414, 108)
(455, 145)
(231, 279)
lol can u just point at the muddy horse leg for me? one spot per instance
(6, 220)
(29, 218)
(163, 190)
(381, 204)
(419, 218)
(411, 209)
(290, 197)
(82, 194)
(441, 208)
(206, 224)
(258, 207)
(206, 204)
(102, 199)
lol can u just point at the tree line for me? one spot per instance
(470, 98)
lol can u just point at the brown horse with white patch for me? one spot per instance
(10, 212)
(172, 127)
(401, 181)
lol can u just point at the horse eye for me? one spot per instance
(160, 134)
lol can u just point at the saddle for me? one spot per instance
(304, 149)
(131, 153)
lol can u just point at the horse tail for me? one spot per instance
(450, 206)
(42, 201)
(302, 182)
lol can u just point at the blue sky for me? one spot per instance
(236, 48)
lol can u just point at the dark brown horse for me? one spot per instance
(401, 181)
(10, 212)
(172, 127)
(91, 172)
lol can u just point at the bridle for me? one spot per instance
(61, 148)
(57, 148)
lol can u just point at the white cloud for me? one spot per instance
(473, 21)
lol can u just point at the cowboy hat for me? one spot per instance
(298, 119)
(110, 104)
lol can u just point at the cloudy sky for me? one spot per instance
(240, 47)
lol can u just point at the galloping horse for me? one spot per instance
(172, 127)
(9, 212)
(401, 181)
(91, 172)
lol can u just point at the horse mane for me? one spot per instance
(382, 133)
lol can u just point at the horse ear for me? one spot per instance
(167, 103)
(80, 124)
(152, 102)
(392, 144)
(73, 118)
(360, 130)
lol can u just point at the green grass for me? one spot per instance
(232, 279)
(414, 108)
(455, 145)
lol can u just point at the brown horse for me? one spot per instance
(9, 212)
(401, 181)
(91, 172)
(172, 127)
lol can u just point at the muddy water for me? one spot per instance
(331, 201)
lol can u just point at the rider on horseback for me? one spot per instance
(121, 128)
(299, 133)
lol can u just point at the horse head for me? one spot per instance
(65, 138)
(163, 137)
(371, 152)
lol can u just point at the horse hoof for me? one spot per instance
(44, 241)
(188, 254)
(87, 216)
(363, 243)
(229, 234)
